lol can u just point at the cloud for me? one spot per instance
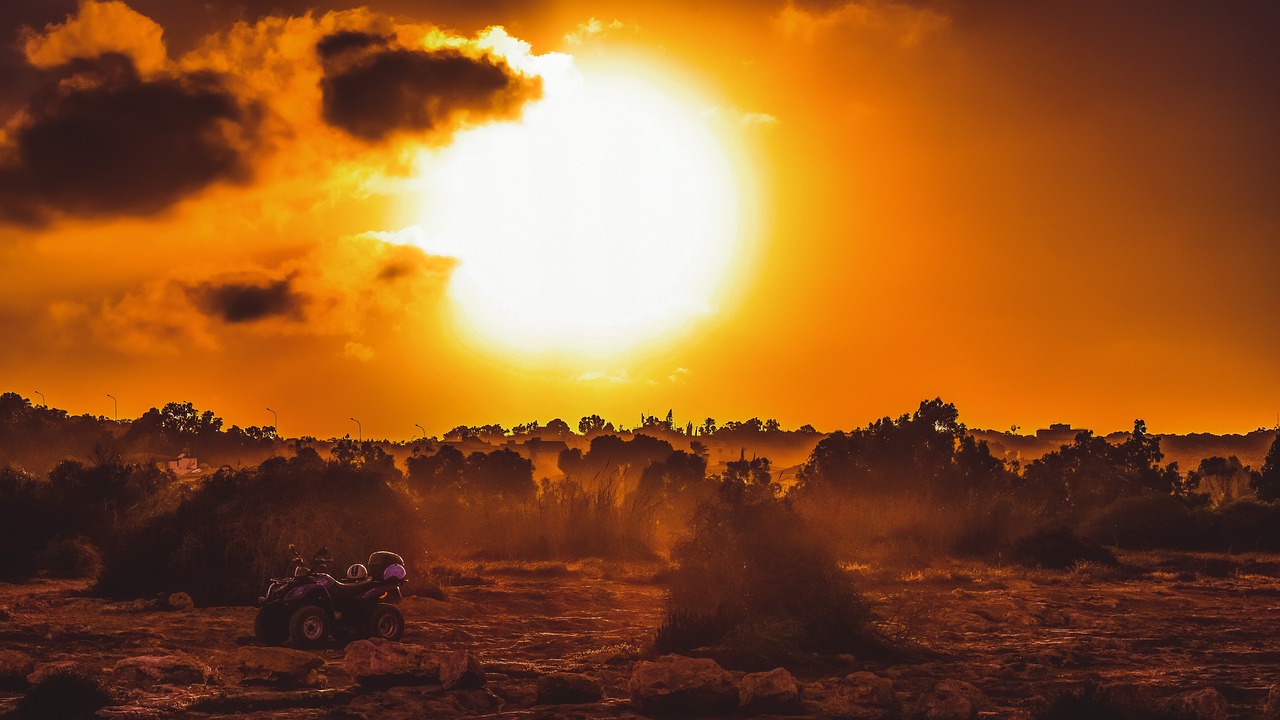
(100, 140)
(591, 29)
(907, 24)
(357, 351)
(373, 88)
(99, 28)
(239, 301)
(337, 289)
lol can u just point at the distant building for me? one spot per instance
(1058, 432)
(183, 465)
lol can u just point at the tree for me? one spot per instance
(591, 424)
(442, 472)
(459, 434)
(928, 450)
(708, 427)
(558, 429)
(755, 472)
(772, 425)
(1267, 482)
(502, 472)
(1092, 473)
(1221, 479)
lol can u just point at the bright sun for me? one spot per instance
(606, 218)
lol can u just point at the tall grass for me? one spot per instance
(563, 522)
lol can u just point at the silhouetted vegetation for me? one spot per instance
(756, 581)
(916, 486)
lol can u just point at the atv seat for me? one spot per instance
(342, 591)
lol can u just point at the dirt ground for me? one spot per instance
(1172, 622)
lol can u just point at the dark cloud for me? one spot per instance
(248, 301)
(373, 90)
(98, 140)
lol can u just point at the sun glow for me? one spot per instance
(606, 218)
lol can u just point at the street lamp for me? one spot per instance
(424, 430)
(115, 404)
(42, 400)
(359, 430)
(276, 426)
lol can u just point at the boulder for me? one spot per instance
(1206, 704)
(950, 700)
(280, 667)
(179, 601)
(459, 670)
(775, 691)
(47, 669)
(147, 671)
(382, 663)
(682, 686)
(567, 689)
(1271, 710)
(15, 666)
(859, 696)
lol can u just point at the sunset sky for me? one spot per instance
(495, 211)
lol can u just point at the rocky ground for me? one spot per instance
(1169, 636)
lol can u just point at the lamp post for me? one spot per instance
(42, 400)
(276, 426)
(424, 430)
(115, 405)
(359, 430)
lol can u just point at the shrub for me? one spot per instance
(1059, 549)
(73, 557)
(1145, 522)
(224, 541)
(756, 580)
(1247, 526)
(70, 694)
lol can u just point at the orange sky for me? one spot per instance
(1058, 211)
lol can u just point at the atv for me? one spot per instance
(310, 605)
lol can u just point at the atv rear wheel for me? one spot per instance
(309, 626)
(386, 622)
(271, 625)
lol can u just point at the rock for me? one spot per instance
(1127, 699)
(44, 670)
(280, 667)
(1271, 711)
(382, 663)
(459, 670)
(859, 696)
(775, 691)
(950, 700)
(1206, 704)
(180, 601)
(6, 613)
(15, 666)
(681, 686)
(147, 671)
(567, 689)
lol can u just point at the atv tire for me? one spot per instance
(309, 626)
(386, 622)
(271, 625)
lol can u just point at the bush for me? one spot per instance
(224, 541)
(754, 579)
(1247, 526)
(65, 695)
(74, 557)
(1145, 522)
(1059, 549)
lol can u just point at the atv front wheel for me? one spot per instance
(386, 622)
(308, 626)
(271, 625)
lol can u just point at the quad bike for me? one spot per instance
(307, 607)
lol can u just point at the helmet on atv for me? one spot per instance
(357, 572)
(380, 561)
(395, 570)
